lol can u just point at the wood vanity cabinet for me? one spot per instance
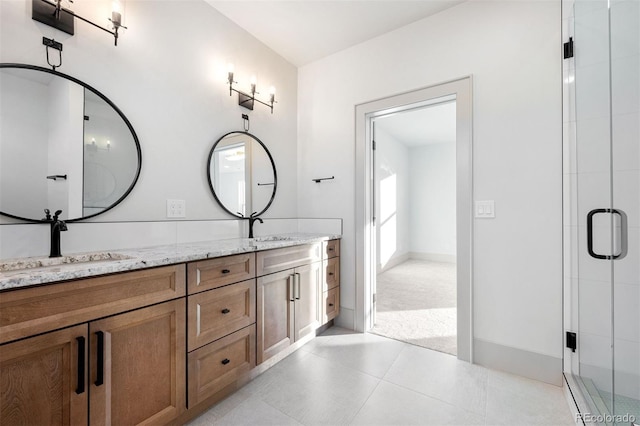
(158, 345)
(288, 301)
(123, 363)
(221, 326)
(331, 281)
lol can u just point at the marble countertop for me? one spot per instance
(39, 270)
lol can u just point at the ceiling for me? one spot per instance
(303, 31)
(431, 124)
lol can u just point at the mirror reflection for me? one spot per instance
(242, 174)
(63, 146)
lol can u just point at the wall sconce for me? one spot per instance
(54, 15)
(95, 147)
(247, 100)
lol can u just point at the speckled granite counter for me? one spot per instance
(113, 261)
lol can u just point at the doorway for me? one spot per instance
(366, 230)
(414, 159)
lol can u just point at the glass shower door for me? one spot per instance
(605, 189)
(593, 183)
(624, 36)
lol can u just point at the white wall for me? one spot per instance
(168, 76)
(512, 49)
(394, 202)
(433, 199)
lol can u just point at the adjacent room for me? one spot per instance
(415, 167)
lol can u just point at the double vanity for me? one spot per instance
(157, 335)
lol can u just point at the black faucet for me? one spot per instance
(252, 219)
(57, 225)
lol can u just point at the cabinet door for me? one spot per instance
(43, 379)
(274, 314)
(138, 366)
(307, 293)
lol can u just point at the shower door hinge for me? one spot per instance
(571, 341)
(373, 145)
(568, 49)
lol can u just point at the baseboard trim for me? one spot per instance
(433, 257)
(394, 261)
(535, 366)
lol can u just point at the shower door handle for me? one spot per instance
(623, 234)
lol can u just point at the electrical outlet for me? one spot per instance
(485, 209)
(176, 208)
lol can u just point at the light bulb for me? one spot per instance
(230, 75)
(116, 14)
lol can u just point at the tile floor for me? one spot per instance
(343, 378)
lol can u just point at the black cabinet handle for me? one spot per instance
(225, 271)
(330, 304)
(225, 361)
(100, 361)
(330, 249)
(225, 311)
(80, 384)
(330, 273)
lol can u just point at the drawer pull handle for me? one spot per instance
(331, 249)
(225, 311)
(225, 271)
(225, 361)
(330, 304)
(100, 361)
(330, 273)
(80, 386)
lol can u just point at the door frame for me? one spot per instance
(365, 230)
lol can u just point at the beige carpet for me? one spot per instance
(416, 303)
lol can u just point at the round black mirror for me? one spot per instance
(242, 174)
(65, 146)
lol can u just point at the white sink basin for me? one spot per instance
(43, 262)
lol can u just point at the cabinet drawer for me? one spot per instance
(220, 363)
(331, 248)
(213, 273)
(331, 276)
(331, 304)
(36, 310)
(270, 261)
(215, 313)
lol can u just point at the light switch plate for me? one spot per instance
(176, 208)
(485, 209)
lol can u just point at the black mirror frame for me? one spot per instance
(116, 109)
(273, 166)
